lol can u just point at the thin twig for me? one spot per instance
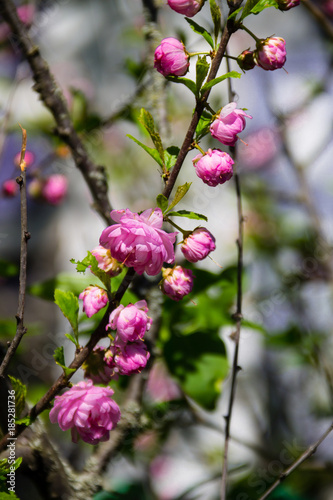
(25, 235)
(307, 454)
(237, 317)
(321, 18)
(53, 99)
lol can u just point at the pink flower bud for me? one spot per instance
(10, 188)
(246, 60)
(214, 167)
(186, 7)
(288, 4)
(96, 369)
(138, 241)
(88, 411)
(131, 358)
(177, 282)
(171, 58)
(55, 189)
(198, 244)
(131, 322)
(229, 123)
(94, 298)
(35, 188)
(271, 53)
(105, 262)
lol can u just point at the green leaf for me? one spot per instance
(185, 81)
(256, 6)
(71, 338)
(199, 362)
(202, 68)
(8, 269)
(69, 306)
(151, 151)
(203, 125)
(215, 81)
(180, 193)
(216, 16)
(90, 262)
(189, 215)
(162, 202)
(20, 394)
(25, 421)
(235, 12)
(170, 156)
(59, 358)
(201, 31)
(148, 122)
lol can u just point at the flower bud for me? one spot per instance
(10, 188)
(271, 53)
(131, 358)
(246, 60)
(177, 282)
(131, 322)
(94, 298)
(186, 7)
(214, 167)
(229, 123)
(198, 245)
(288, 4)
(35, 188)
(171, 58)
(106, 262)
(55, 189)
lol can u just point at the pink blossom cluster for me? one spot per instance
(270, 53)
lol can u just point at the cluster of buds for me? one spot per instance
(270, 54)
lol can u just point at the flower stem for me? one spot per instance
(250, 33)
(196, 145)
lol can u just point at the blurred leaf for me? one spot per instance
(20, 394)
(256, 6)
(200, 31)
(59, 358)
(180, 193)
(216, 16)
(199, 363)
(215, 81)
(135, 69)
(69, 306)
(202, 68)
(8, 327)
(190, 84)
(8, 269)
(151, 151)
(189, 215)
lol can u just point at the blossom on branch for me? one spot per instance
(271, 53)
(214, 167)
(171, 58)
(186, 7)
(177, 282)
(88, 411)
(131, 322)
(198, 245)
(228, 124)
(131, 358)
(94, 298)
(138, 240)
(106, 262)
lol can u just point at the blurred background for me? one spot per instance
(101, 53)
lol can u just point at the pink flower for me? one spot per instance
(229, 123)
(171, 58)
(106, 262)
(94, 298)
(25, 13)
(161, 387)
(177, 282)
(131, 322)
(198, 244)
(88, 411)
(138, 241)
(271, 53)
(288, 4)
(214, 167)
(10, 188)
(54, 189)
(95, 367)
(131, 358)
(186, 7)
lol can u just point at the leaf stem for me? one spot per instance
(250, 33)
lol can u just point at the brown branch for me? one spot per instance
(307, 454)
(320, 17)
(52, 97)
(25, 235)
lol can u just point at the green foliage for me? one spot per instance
(151, 151)
(201, 31)
(69, 306)
(180, 193)
(170, 156)
(216, 16)
(202, 68)
(256, 6)
(90, 262)
(190, 84)
(203, 125)
(63, 281)
(148, 122)
(4, 470)
(162, 202)
(59, 358)
(8, 269)
(188, 214)
(215, 81)
(20, 394)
